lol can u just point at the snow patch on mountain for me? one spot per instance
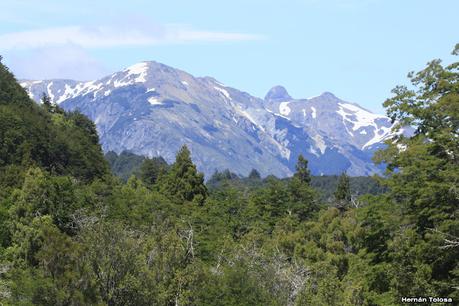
(284, 109)
(50, 92)
(122, 83)
(362, 117)
(250, 117)
(154, 101)
(382, 135)
(140, 70)
(68, 91)
(320, 143)
(314, 112)
(136, 73)
(227, 128)
(344, 115)
(223, 92)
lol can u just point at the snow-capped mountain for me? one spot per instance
(153, 109)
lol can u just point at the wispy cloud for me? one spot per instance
(66, 61)
(105, 36)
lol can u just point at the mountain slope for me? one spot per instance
(153, 109)
(31, 135)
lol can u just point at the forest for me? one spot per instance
(81, 228)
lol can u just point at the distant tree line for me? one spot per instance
(73, 233)
(126, 164)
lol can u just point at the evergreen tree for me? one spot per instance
(254, 175)
(343, 190)
(302, 202)
(183, 182)
(46, 101)
(221, 178)
(59, 142)
(72, 234)
(423, 176)
(302, 172)
(124, 165)
(11, 93)
(151, 169)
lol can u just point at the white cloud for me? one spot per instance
(63, 62)
(106, 36)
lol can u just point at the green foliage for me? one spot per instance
(152, 169)
(11, 93)
(125, 164)
(254, 175)
(45, 195)
(31, 135)
(183, 182)
(219, 178)
(423, 179)
(325, 186)
(46, 102)
(73, 234)
(301, 195)
(302, 172)
(343, 190)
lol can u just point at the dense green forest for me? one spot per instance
(127, 164)
(74, 233)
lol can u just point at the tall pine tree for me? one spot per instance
(183, 182)
(343, 190)
(302, 195)
(151, 169)
(302, 172)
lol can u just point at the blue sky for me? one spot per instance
(357, 49)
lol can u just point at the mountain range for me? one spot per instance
(153, 109)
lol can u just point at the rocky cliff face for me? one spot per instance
(153, 109)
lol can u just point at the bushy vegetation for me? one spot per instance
(72, 233)
(127, 164)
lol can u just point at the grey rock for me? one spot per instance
(277, 93)
(153, 109)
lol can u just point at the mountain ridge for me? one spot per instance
(152, 109)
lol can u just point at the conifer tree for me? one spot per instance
(302, 171)
(46, 101)
(184, 182)
(343, 190)
(302, 201)
(423, 176)
(254, 174)
(151, 169)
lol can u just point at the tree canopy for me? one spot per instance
(72, 233)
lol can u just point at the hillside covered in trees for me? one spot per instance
(73, 233)
(126, 164)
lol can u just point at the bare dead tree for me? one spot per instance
(355, 202)
(80, 220)
(450, 241)
(188, 237)
(5, 291)
(292, 274)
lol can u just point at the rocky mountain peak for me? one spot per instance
(277, 93)
(153, 109)
(328, 96)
